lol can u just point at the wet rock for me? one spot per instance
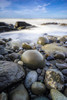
(52, 39)
(39, 71)
(41, 98)
(3, 51)
(13, 56)
(63, 24)
(30, 78)
(3, 96)
(59, 55)
(33, 59)
(63, 39)
(15, 44)
(20, 24)
(21, 27)
(54, 79)
(1, 57)
(53, 47)
(6, 40)
(20, 63)
(42, 40)
(56, 95)
(10, 73)
(3, 24)
(2, 42)
(50, 58)
(38, 88)
(26, 46)
(5, 29)
(66, 60)
(50, 23)
(64, 71)
(40, 78)
(20, 93)
(65, 79)
(61, 66)
(16, 60)
(65, 92)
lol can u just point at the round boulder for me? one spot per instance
(54, 79)
(42, 41)
(33, 59)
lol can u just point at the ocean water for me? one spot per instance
(33, 33)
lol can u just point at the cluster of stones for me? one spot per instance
(4, 27)
(37, 72)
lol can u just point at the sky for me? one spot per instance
(33, 8)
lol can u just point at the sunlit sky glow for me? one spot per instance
(33, 8)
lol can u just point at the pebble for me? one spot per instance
(43, 40)
(64, 71)
(30, 78)
(61, 66)
(20, 63)
(38, 88)
(65, 92)
(39, 71)
(59, 55)
(56, 95)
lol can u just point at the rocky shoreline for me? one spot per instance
(19, 25)
(34, 72)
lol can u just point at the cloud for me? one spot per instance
(4, 4)
(42, 7)
(22, 11)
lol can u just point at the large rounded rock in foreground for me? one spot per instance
(20, 93)
(56, 95)
(43, 40)
(10, 73)
(38, 88)
(54, 79)
(33, 59)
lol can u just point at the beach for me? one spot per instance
(33, 59)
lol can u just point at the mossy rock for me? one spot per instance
(26, 46)
(56, 95)
(53, 47)
(33, 59)
(21, 27)
(54, 79)
(42, 40)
